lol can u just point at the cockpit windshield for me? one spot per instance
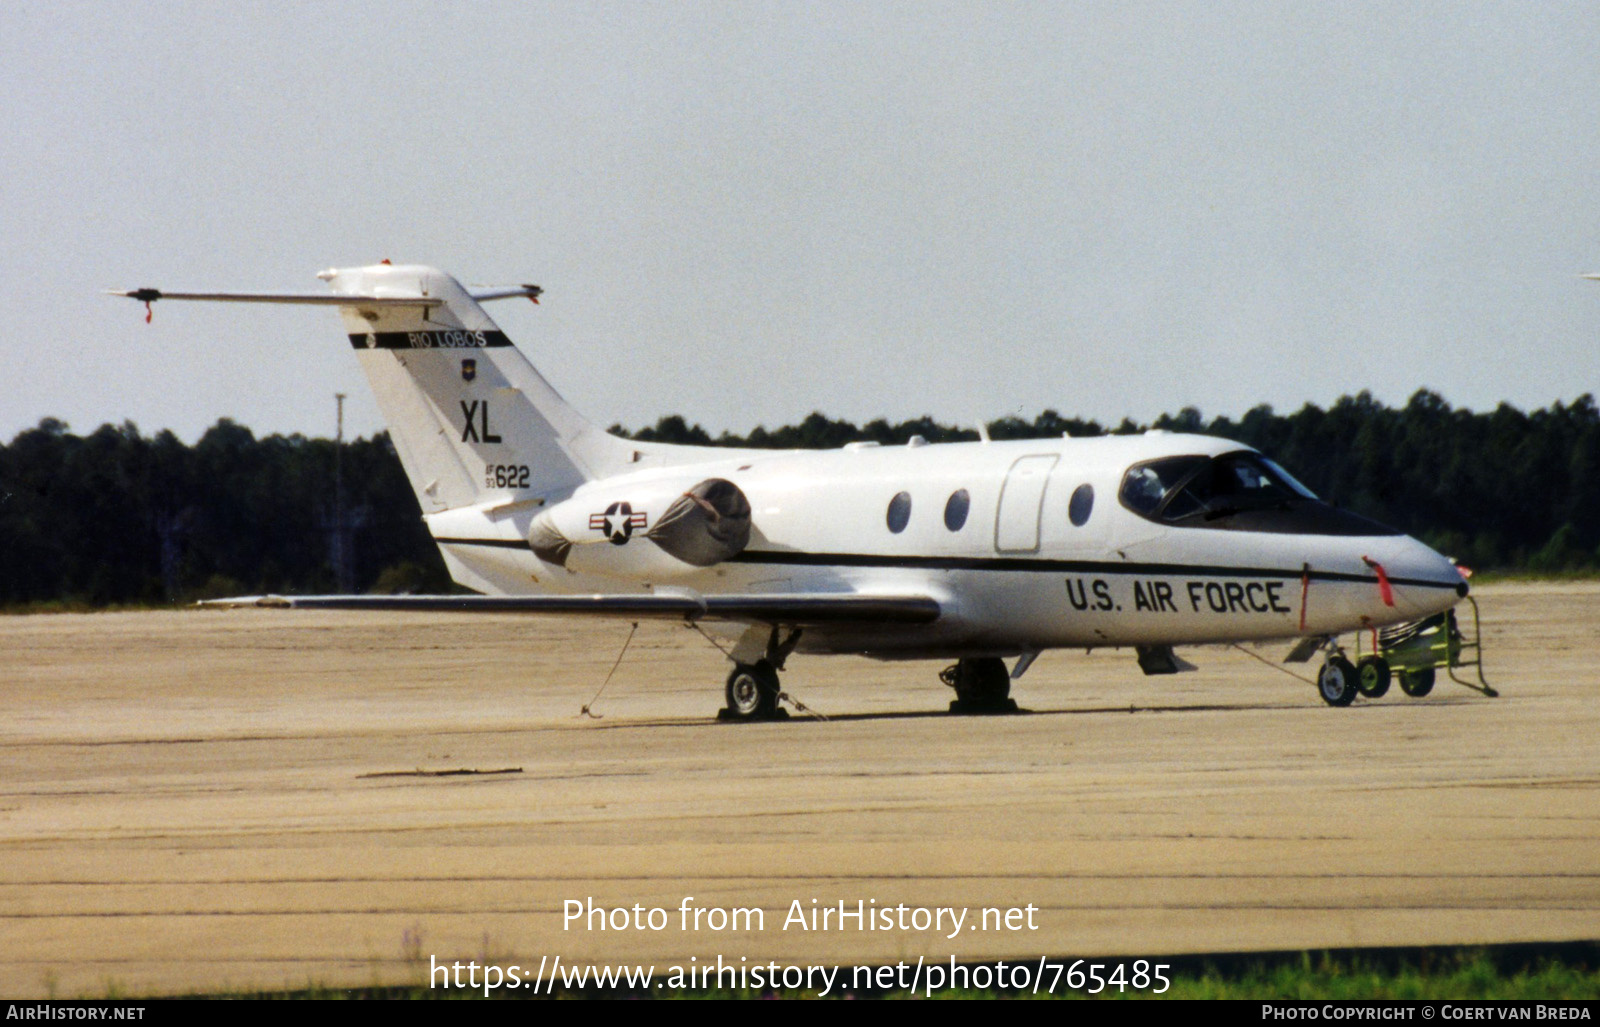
(1197, 489)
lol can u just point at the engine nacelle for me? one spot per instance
(654, 531)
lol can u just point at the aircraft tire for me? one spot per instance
(1416, 683)
(983, 685)
(1337, 682)
(1372, 676)
(752, 692)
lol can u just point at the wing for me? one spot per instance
(797, 609)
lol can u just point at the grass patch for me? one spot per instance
(1495, 577)
(1534, 971)
(1509, 972)
(45, 606)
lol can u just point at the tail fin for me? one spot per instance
(473, 422)
(471, 418)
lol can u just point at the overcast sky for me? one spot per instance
(743, 212)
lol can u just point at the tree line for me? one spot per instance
(116, 516)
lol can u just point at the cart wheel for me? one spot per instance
(1337, 682)
(1372, 676)
(1416, 683)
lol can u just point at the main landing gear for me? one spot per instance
(982, 684)
(753, 693)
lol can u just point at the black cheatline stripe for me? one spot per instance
(432, 339)
(1004, 563)
(1012, 563)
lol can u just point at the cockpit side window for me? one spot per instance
(1198, 489)
(1239, 491)
(1145, 486)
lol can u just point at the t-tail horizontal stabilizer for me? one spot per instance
(481, 294)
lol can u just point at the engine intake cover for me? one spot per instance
(706, 525)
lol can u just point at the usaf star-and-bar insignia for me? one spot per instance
(618, 522)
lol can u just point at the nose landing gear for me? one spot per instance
(1336, 682)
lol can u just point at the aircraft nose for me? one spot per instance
(1427, 580)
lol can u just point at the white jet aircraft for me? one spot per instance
(973, 551)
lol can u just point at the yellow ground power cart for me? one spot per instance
(1413, 652)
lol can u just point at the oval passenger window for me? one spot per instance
(899, 512)
(955, 509)
(1081, 505)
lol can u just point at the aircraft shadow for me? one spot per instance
(891, 715)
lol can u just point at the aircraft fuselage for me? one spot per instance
(1022, 569)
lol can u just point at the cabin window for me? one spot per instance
(1081, 505)
(955, 509)
(899, 512)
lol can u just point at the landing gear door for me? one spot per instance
(1016, 523)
